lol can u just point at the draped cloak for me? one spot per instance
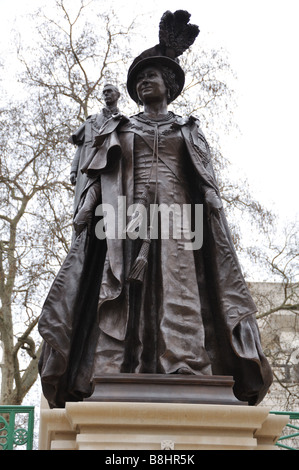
(83, 138)
(89, 293)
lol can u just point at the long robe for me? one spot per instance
(90, 292)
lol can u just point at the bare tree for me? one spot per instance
(278, 312)
(30, 171)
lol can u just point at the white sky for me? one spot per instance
(262, 39)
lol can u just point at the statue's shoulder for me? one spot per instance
(189, 123)
(113, 124)
(130, 123)
(187, 120)
(92, 117)
(196, 122)
(78, 136)
(131, 120)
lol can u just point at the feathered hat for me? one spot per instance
(176, 35)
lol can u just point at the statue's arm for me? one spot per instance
(75, 165)
(212, 196)
(77, 138)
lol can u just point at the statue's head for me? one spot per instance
(111, 94)
(175, 36)
(173, 75)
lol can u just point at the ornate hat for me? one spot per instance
(176, 35)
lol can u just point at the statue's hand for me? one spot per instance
(213, 202)
(73, 178)
(83, 219)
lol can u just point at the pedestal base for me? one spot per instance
(156, 426)
(164, 388)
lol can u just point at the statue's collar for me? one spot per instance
(171, 118)
(108, 113)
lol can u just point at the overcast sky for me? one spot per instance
(262, 39)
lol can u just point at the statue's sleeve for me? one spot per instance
(207, 160)
(76, 159)
(199, 151)
(77, 139)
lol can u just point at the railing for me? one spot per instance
(16, 427)
(290, 437)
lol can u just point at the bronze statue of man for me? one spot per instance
(151, 304)
(84, 136)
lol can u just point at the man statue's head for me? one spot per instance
(111, 95)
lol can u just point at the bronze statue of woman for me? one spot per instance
(152, 304)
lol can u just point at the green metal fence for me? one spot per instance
(16, 427)
(290, 437)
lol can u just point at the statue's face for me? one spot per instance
(150, 85)
(110, 95)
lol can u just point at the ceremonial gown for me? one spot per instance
(192, 312)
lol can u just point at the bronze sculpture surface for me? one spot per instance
(84, 136)
(151, 304)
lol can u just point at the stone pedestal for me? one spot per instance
(155, 426)
(157, 412)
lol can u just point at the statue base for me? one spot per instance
(111, 426)
(162, 388)
(158, 412)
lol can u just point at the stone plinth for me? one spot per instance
(156, 426)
